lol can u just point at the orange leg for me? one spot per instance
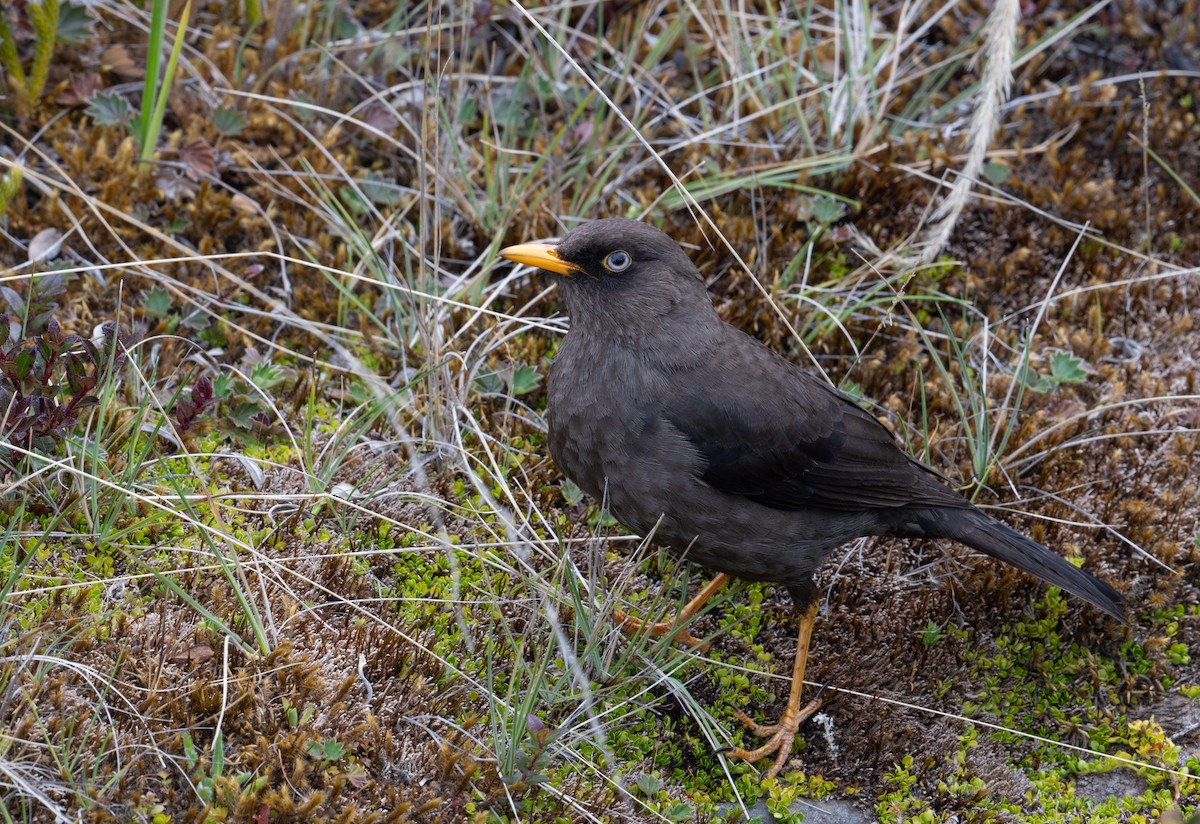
(781, 735)
(632, 626)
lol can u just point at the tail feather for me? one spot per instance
(986, 534)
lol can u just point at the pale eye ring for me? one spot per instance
(618, 261)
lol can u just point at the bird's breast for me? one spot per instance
(607, 433)
(611, 435)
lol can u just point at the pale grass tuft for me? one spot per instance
(1000, 40)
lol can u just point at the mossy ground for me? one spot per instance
(359, 590)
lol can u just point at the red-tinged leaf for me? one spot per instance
(50, 284)
(46, 423)
(199, 160)
(77, 377)
(582, 132)
(202, 392)
(46, 352)
(90, 353)
(17, 428)
(54, 335)
(379, 117)
(80, 89)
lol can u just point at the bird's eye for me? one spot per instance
(617, 261)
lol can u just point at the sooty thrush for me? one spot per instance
(726, 451)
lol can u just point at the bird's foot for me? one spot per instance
(635, 626)
(779, 736)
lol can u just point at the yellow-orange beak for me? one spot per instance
(541, 255)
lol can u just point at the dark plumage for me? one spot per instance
(689, 427)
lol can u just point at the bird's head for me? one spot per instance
(622, 274)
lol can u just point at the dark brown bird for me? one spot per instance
(694, 431)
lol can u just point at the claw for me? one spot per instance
(632, 626)
(781, 736)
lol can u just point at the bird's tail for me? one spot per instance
(984, 533)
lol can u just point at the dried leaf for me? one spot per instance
(193, 655)
(244, 204)
(45, 245)
(175, 186)
(116, 59)
(81, 88)
(198, 158)
(379, 117)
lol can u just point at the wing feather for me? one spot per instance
(798, 443)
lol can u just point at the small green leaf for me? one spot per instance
(601, 517)
(218, 756)
(648, 785)
(74, 24)
(679, 812)
(854, 390)
(229, 122)
(77, 377)
(109, 109)
(571, 493)
(242, 415)
(1066, 368)
(524, 380)
(353, 201)
(266, 375)
(488, 383)
(468, 111)
(178, 224)
(827, 210)
(330, 750)
(197, 320)
(224, 385)
(996, 173)
(1033, 381)
(156, 302)
(379, 190)
(189, 749)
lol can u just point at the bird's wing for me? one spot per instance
(788, 440)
